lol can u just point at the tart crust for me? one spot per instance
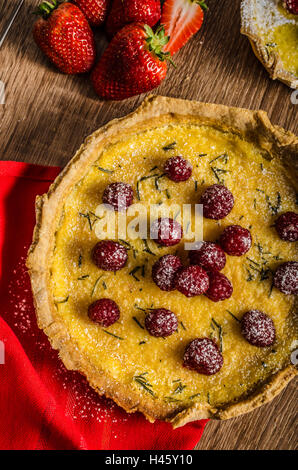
(252, 125)
(268, 56)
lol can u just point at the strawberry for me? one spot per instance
(64, 35)
(291, 6)
(133, 63)
(94, 10)
(132, 11)
(181, 20)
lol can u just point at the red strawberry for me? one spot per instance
(65, 37)
(94, 10)
(291, 6)
(132, 11)
(181, 20)
(133, 63)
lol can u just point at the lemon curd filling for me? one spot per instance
(285, 39)
(125, 350)
(279, 30)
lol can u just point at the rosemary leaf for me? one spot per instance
(112, 334)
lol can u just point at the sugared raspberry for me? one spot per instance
(192, 281)
(118, 195)
(203, 356)
(257, 328)
(291, 6)
(287, 226)
(161, 322)
(235, 240)
(109, 256)
(178, 169)
(220, 288)
(217, 202)
(165, 270)
(166, 232)
(286, 278)
(105, 312)
(209, 256)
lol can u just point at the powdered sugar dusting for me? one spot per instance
(84, 403)
(265, 14)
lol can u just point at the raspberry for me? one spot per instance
(164, 271)
(118, 195)
(287, 226)
(209, 256)
(217, 202)
(178, 169)
(292, 6)
(166, 232)
(203, 356)
(220, 288)
(257, 328)
(192, 281)
(235, 240)
(161, 322)
(109, 256)
(105, 312)
(286, 278)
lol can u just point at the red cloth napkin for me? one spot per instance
(42, 405)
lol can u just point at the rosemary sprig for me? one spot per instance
(179, 388)
(95, 285)
(63, 301)
(105, 170)
(171, 399)
(138, 323)
(223, 157)
(141, 380)
(191, 397)
(219, 327)
(87, 216)
(168, 147)
(83, 277)
(112, 334)
(80, 260)
(134, 271)
(232, 315)
(156, 181)
(141, 180)
(217, 172)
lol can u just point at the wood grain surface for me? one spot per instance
(47, 115)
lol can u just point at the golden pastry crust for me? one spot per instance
(268, 56)
(252, 125)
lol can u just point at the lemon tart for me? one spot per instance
(177, 335)
(273, 33)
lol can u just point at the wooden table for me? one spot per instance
(47, 115)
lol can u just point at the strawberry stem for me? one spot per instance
(202, 4)
(46, 8)
(156, 42)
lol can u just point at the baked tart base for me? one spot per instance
(273, 34)
(138, 371)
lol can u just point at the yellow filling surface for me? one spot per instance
(261, 190)
(282, 36)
